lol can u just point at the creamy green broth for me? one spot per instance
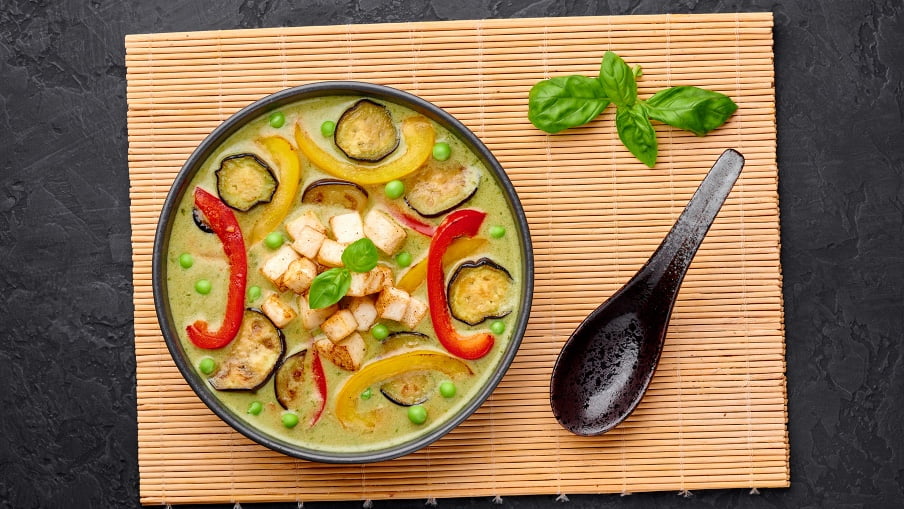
(210, 263)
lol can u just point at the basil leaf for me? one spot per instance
(566, 101)
(637, 133)
(691, 108)
(360, 256)
(328, 287)
(617, 80)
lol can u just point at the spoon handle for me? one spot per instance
(674, 254)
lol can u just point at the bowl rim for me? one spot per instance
(194, 163)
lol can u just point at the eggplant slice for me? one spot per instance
(253, 355)
(404, 340)
(408, 389)
(200, 222)
(440, 186)
(244, 181)
(480, 290)
(366, 132)
(336, 192)
(289, 382)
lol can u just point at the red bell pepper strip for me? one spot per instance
(461, 223)
(320, 382)
(224, 224)
(412, 222)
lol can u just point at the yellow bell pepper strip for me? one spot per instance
(222, 221)
(382, 369)
(419, 137)
(461, 247)
(461, 223)
(289, 168)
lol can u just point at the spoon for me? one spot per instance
(606, 365)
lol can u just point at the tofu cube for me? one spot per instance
(366, 283)
(364, 311)
(277, 311)
(308, 241)
(346, 354)
(330, 253)
(347, 228)
(385, 233)
(299, 275)
(338, 326)
(308, 219)
(385, 279)
(392, 303)
(415, 312)
(313, 318)
(275, 266)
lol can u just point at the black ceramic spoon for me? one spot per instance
(606, 365)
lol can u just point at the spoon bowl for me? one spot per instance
(606, 365)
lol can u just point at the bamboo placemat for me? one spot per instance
(715, 415)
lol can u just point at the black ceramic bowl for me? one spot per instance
(180, 187)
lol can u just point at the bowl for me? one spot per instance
(181, 186)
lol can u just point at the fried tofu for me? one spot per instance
(339, 325)
(414, 313)
(277, 311)
(364, 311)
(299, 275)
(347, 228)
(392, 303)
(346, 354)
(308, 241)
(308, 219)
(330, 253)
(275, 266)
(313, 318)
(385, 233)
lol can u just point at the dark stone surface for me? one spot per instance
(67, 369)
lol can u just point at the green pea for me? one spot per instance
(255, 408)
(394, 189)
(254, 293)
(277, 119)
(274, 240)
(379, 332)
(367, 393)
(403, 259)
(447, 389)
(203, 286)
(207, 365)
(327, 128)
(497, 232)
(186, 260)
(441, 151)
(417, 414)
(498, 327)
(289, 420)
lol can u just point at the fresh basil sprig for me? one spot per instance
(331, 285)
(570, 101)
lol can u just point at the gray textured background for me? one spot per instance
(67, 369)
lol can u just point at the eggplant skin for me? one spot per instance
(408, 389)
(440, 187)
(288, 381)
(404, 339)
(478, 291)
(336, 192)
(200, 222)
(366, 132)
(253, 355)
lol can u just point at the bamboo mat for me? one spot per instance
(715, 415)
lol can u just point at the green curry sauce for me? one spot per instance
(210, 263)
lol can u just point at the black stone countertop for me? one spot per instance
(67, 365)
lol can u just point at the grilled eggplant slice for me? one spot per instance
(404, 340)
(289, 382)
(253, 355)
(479, 290)
(336, 192)
(200, 222)
(440, 186)
(366, 132)
(244, 181)
(408, 389)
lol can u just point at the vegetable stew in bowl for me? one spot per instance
(343, 272)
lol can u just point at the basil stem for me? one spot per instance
(328, 287)
(565, 101)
